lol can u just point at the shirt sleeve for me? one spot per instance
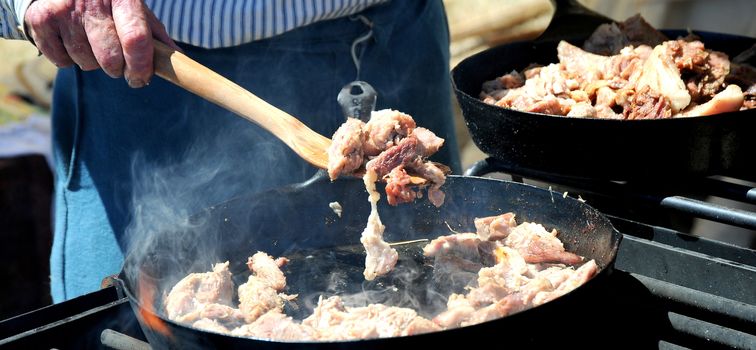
(12, 18)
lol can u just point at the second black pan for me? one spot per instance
(600, 148)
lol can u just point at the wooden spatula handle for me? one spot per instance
(192, 76)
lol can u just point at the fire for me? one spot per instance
(500, 254)
(146, 297)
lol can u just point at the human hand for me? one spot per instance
(115, 35)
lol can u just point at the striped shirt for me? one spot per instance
(217, 23)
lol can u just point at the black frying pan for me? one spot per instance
(285, 221)
(601, 148)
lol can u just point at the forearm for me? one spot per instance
(11, 18)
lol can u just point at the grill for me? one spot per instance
(670, 289)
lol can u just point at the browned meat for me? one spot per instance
(608, 39)
(498, 88)
(639, 32)
(401, 154)
(647, 104)
(399, 187)
(582, 109)
(189, 296)
(427, 142)
(345, 154)
(661, 75)
(434, 175)
(261, 292)
(385, 129)
(496, 227)
(537, 245)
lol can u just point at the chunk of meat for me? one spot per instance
(648, 104)
(582, 109)
(458, 309)
(278, 326)
(268, 269)
(385, 129)
(494, 228)
(610, 38)
(508, 272)
(334, 321)
(427, 142)
(400, 155)
(210, 325)
(380, 257)
(661, 75)
(260, 293)
(729, 100)
(196, 290)
(345, 154)
(536, 245)
(399, 187)
(434, 175)
(573, 280)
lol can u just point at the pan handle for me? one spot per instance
(571, 20)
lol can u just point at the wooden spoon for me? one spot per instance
(181, 70)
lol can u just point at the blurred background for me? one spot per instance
(25, 94)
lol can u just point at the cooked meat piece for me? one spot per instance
(385, 129)
(574, 280)
(648, 104)
(210, 325)
(536, 245)
(198, 289)
(278, 326)
(345, 154)
(260, 293)
(427, 142)
(380, 258)
(661, 75)
(581, 65)
(401, 154)
(494, 228)
(605, 96)
(582, 109)
(499, 87)
(434, 175)
(729, 100)
(268, 269)
(399, 187)
(640, 32)
(608, 39)
(549, 105)
(465, 245)
(333, 321)
(704, 71)
(458, 309)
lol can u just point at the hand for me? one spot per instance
(115, 35)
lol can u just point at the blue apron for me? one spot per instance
(126, 158)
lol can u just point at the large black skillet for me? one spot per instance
(286, 221)
(600, 148)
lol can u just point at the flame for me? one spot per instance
(146, 297)
(500, 253)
